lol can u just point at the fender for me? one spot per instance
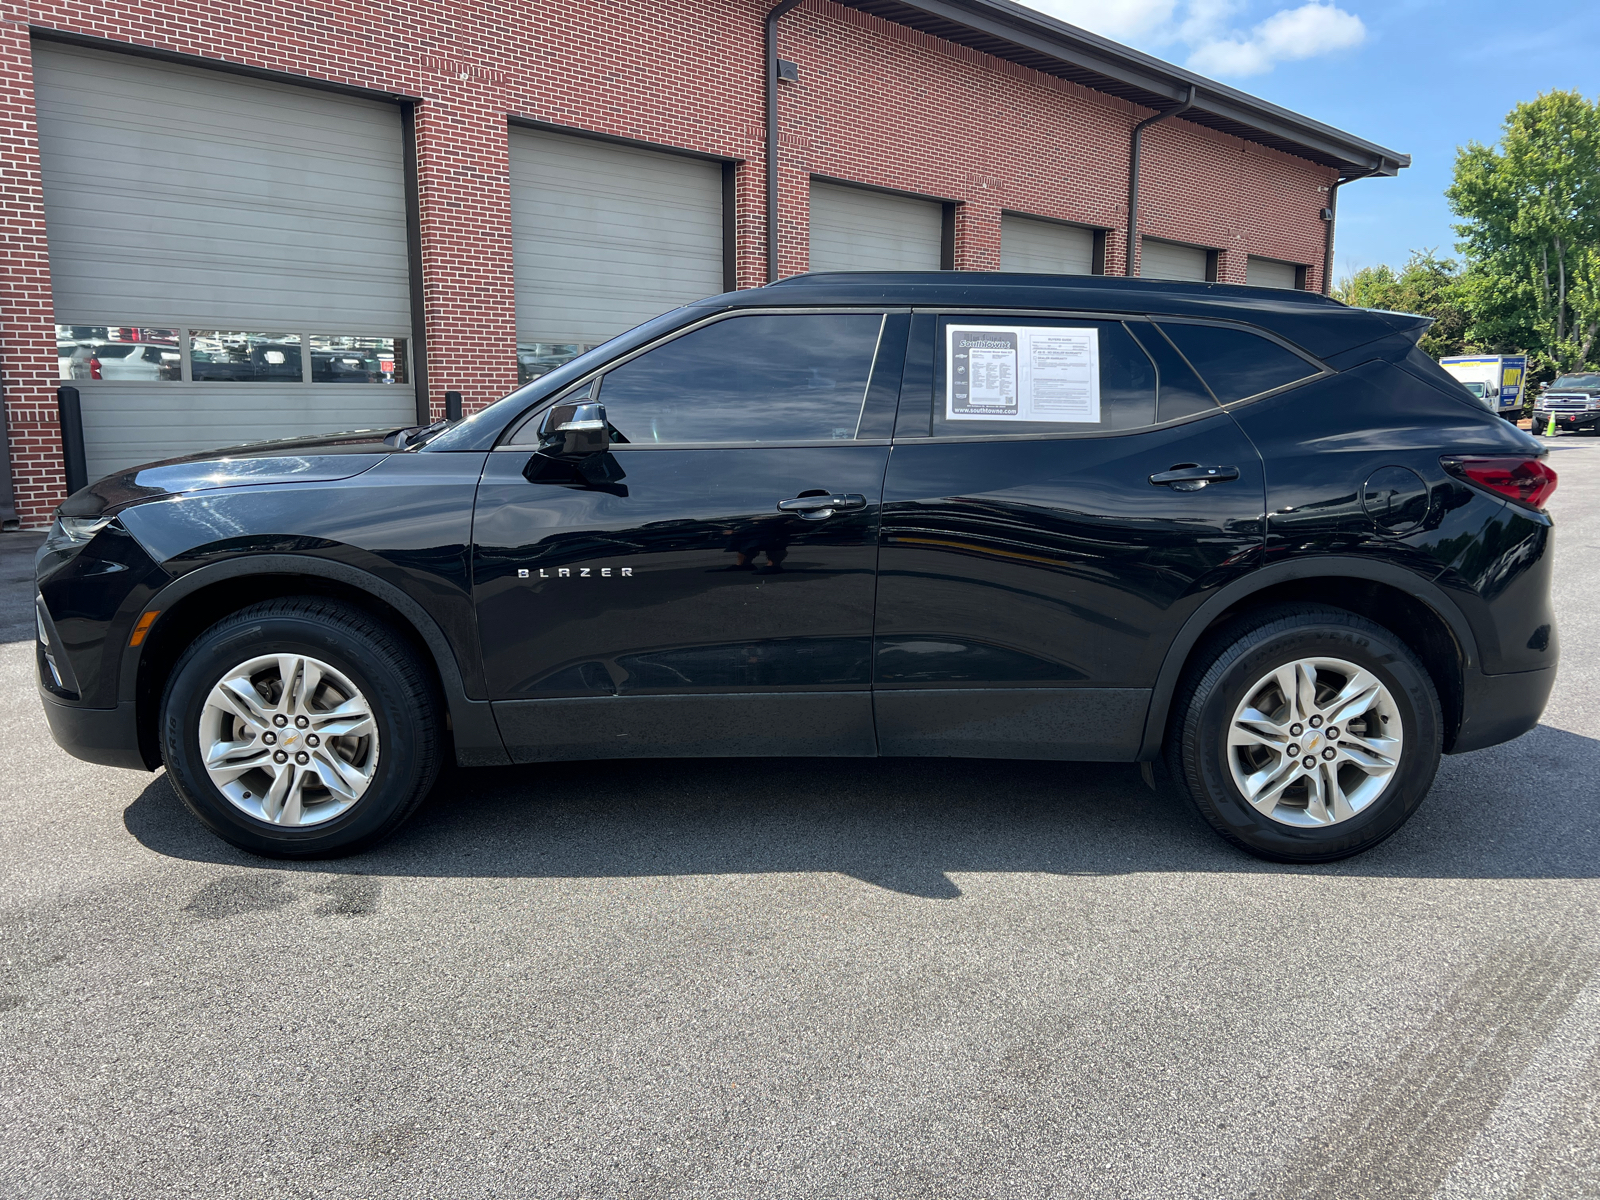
(1347, 566)
(477, 737)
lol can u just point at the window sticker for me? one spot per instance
(1022, 373)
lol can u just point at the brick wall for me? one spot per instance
(876, 103)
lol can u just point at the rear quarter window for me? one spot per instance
(1238, 364)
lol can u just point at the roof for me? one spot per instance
(1031, 39)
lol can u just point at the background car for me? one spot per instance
(124, 361)
(1258, 541)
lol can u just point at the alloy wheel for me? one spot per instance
(289, 740)
(1315, 742)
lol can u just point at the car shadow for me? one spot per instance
(1523, 810)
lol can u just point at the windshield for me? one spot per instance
(1577, 381)
(1475, 388)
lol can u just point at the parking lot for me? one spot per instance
(819, 978)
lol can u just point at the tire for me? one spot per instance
(1217, 749)
(366, 732)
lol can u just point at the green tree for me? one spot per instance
(1429, 285)
(1530, 226)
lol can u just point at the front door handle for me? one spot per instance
(821, 507)
(1192, 479)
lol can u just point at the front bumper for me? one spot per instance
(1497, 708)
(1565, 420)
(108, 736)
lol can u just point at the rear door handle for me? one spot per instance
(820, 508)
(1192, 479)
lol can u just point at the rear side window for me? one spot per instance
(1001, 374)
(1181, 394)
(789, 377)
(1237, 364)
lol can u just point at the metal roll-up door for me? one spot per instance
(1045, 246)
(604, 237)
(853, 229)
(1171, 260)
(230, 227)
(1269, 272)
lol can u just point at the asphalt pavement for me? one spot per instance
(792, 978)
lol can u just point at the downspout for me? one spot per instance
(1133, 172)
(1333, 213)
(772, 135)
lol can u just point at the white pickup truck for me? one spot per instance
(1495, 379)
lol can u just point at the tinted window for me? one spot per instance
(1038, 375)
(1179, 392)
(798, 377)
(1237, 364)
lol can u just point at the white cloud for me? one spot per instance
(1205, 27)
(1112, 18)
(1293, 33)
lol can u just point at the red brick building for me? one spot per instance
(218, 218)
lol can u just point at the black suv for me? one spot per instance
(1252, 535)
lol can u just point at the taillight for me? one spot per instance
(1526, 481)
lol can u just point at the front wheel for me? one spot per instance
(1306, 734)
(300, 728)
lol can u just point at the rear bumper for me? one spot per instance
(1497, 708)
(108, 736)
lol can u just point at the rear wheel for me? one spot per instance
(1306, 734)
(300, 728)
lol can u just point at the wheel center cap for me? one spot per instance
(1314, 741)
(290, 737)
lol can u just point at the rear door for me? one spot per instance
(1049, 523)
(675, 608)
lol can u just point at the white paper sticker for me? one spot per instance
(1022, 373)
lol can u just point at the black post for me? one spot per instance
(71, 410)
(8, 494)
(452, 406)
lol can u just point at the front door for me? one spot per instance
(676, 608)
(1049, 523)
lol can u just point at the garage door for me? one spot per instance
(1171, 260)
(853, 229)
(1269, 272)
(228, 255)
(1045, 246)
(604, 237)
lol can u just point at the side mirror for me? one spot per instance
(574, 431)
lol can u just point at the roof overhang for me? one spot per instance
(1021, 35)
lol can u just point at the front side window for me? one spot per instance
(1237, 363)
(763, 378)
(999, 374)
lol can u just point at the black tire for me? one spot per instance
(397, 689)
(1233, 661)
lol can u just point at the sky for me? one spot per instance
(1421, 77)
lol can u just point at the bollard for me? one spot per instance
(72, 460)
(452, 406)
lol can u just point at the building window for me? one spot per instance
(136, 354)
(358, 359)
(85, 352)
(540, 358)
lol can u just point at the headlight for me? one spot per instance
(72, 533)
